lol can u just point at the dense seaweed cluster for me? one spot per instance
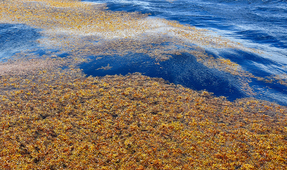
(64, 120)
(60, 119)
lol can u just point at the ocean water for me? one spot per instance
(260, 25)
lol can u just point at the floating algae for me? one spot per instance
(64, 120)
(61, 119)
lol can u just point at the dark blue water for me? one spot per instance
(182, 69)
(258, 24)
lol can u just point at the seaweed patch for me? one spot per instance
(52, 116)
(64, 120)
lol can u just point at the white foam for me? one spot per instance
(135, 2)
(270, 52)
(92, 2)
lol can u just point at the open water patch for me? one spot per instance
(260, 37)
(180, 69)
(16, 38)
(273, 92)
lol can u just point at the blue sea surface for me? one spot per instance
(16, 38)
(258, 24)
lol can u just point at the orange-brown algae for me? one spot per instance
(63, 120)
(60, 119)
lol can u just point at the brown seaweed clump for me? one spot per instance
(30, 66)
(63, 120)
